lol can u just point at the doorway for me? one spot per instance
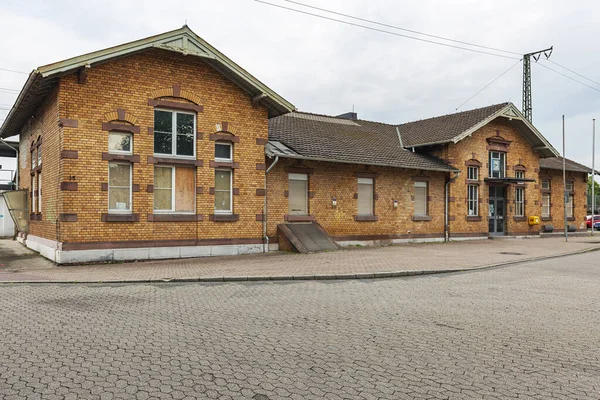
(496, 210)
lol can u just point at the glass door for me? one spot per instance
(496, 210)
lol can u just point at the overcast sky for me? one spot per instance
(327, 67)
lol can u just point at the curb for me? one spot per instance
(370, 275)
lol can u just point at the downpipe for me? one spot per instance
(446, 206)
(265, 208)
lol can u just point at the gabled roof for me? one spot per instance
(183, 40)
(452, 128)
(320, 137)
(570, 165)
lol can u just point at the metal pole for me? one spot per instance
(593, 172)
(564, 181)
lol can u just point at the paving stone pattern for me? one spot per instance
(408, 257)
(523, 332)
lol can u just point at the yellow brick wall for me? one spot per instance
(475, 147)
(557, 198)
(127, 84)
(44, 124)
(338, 180)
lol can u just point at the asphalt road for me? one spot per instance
(525, 331)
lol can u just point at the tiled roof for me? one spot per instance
(445, 128)
(557, 163)
(322, 137)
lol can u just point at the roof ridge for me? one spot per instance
(341, 118)
(456, 113)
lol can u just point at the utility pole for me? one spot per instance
(565, 195)
(527, 106)
(593, 172)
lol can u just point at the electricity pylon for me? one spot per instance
(527, 107)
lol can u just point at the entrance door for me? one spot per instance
(496, 211)
(298, 194)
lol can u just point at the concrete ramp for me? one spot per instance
(304, 238)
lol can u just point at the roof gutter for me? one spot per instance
(30, 81)
(300, 157)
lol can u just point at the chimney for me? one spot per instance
(349, 115)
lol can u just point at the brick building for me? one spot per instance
(165, 148)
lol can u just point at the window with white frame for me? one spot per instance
(519, 202)
(520, 175)
(546, 185)
(497, 164)
(473, 200)
(174, 133)
(39, 186)
(546, 205)
(174, 189)
(120, 143)
(365, 196)
(39, 155)
(570, 202)
(119, 187)
(420, 198)
(297, 194)
(33, 194)
(569, 186)
(223, 191)
(223, 152)
(34, 159)
(473, 173)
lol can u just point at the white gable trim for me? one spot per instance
(511, 112)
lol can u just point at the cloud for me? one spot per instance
(327, 67)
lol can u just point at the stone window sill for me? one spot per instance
(421, 218)
(546, 218)
(120, 217)
(174, 218)
(366, 218)
(224, 217)
(519, 219)
(474, 218)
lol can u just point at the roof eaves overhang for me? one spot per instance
(182, 40)
(5, 130)
(301, 157)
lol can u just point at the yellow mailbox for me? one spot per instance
(534, 220)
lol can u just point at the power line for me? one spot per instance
(567, 76)
(488, 85)
(570, 70)
(384, 31)
(402, 29)
(12, 70)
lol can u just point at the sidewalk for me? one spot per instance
(18, 264)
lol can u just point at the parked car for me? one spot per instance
(597, 226)
(588, 220)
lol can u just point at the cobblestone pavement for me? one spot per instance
(528, 332)
(409, 257)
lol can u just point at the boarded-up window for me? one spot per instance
(420, 198)
(119, 187)
(223, 182)
(174, 189)
(365, 196)
(570, 201)
(298, 194)
(546, 205)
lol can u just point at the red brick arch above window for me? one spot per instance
(175, 91)
(472, 163)
(120, 114)
(227, 127)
